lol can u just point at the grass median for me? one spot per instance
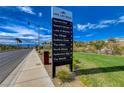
(100, 70)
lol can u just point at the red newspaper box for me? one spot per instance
(46, 57)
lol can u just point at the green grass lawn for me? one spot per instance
(100, 70)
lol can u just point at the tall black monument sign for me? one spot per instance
(62, 38)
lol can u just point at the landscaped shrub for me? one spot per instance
(39, 52)
(76, 64)
(77, 61)
(65, 76)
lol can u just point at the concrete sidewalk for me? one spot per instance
(33, 73)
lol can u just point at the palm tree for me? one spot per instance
(18, 40)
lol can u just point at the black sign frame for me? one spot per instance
(68, 43)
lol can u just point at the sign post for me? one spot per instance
(62, 38)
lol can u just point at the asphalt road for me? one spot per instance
(10, 60)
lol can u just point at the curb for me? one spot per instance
(10, 80)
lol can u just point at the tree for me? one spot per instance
(18, 40)
(99, 44)
(117, 50)
(112, 40)
(113, 45)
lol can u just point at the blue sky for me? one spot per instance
(89, 23)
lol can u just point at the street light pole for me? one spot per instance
(38, 32)
(38, 26)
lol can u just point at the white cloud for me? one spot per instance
(46, 39)
(84, 27)
(22, 32)
(27, 37)
(9, 35)
(121, 19)
(3, 17)
(15, 35)
(26, 9)
(101, 24)
(108, 21)
(13, 42)
(89, 35)
(40, 14)
(45, 36)
(5, 38)
(41, 28)
(19, 29)
(5, 41)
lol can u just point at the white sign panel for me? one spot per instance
(61, 14)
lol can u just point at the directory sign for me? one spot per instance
(62, 38)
